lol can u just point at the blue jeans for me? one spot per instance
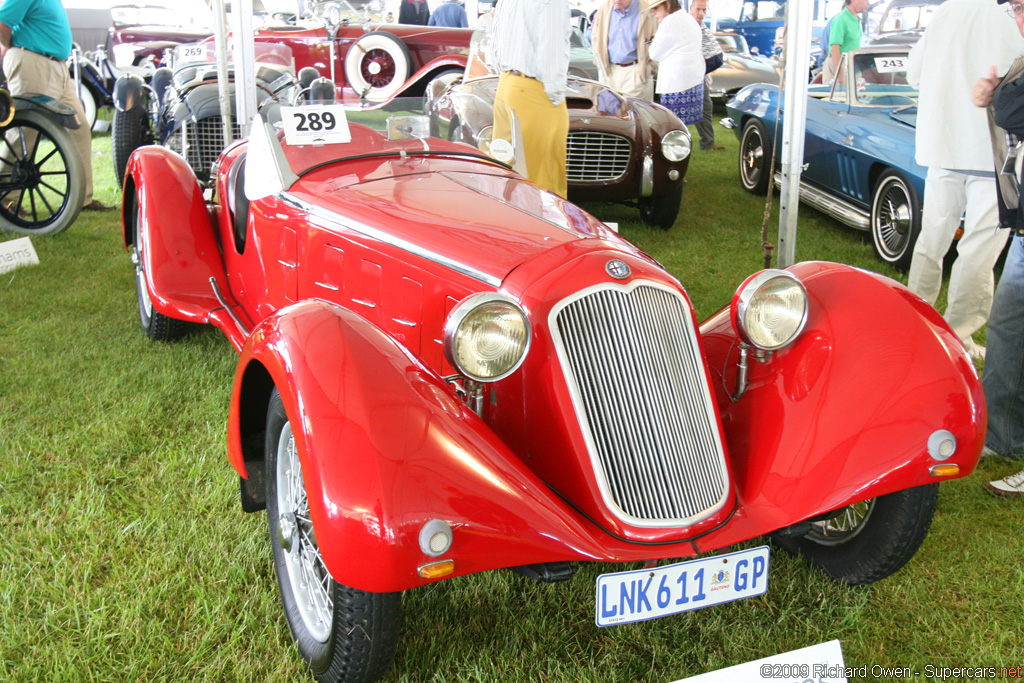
(1003, 379)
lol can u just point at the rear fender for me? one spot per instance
(55, 109)
(385, 447)
(181, 254)
(845, 413)
(129, 92)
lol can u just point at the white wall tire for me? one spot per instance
(377, 66)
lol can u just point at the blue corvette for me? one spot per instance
(858, 149)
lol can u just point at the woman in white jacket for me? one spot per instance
(677, 49)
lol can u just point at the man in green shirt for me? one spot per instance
(844, 34)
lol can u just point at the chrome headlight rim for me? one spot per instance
(483, 139)
(459, 315)
(745, 296)
(676, 145)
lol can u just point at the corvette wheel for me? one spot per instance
(377, 65)
(755, 155)
(895, 219)
(344, 635)
(867, 541)
(129, 132)
(156, 325)
(41, 176)
(661, 211)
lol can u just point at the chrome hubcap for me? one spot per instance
(305, 570)
(893, 219)
(753, 156)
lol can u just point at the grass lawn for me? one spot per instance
(125, 555)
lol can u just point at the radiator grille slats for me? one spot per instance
(593, 156)
(203, 142)
(638, 377)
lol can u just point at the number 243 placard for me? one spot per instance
(317, 124)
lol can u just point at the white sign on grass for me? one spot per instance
(19, 252)
(822, 663)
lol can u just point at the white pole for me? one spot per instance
(220, 35)
(794, 124)
(244, 64)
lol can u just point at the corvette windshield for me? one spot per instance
(881, 79)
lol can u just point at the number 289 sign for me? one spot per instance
(315, 124)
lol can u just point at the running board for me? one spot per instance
(841, 210)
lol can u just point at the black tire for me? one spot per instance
(377, 65)
(358, 645)
(755, 157)
(156, 325)
(868, 541)
(895, 219)
(129, 132)
(42, 174)
(661, 211)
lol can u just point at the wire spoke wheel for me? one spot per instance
(306, 573)
(41, 176)
(845, 525)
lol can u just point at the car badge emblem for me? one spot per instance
(617, 269)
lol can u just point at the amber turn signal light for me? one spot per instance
(435, 570)
(945, 470)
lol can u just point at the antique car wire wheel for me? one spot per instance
(377, 65)
(755, 157)
(42, 176)
(310, 581)
(866, 542)
(344, 634)
(895, 219)
(844, 525)
(156, 325)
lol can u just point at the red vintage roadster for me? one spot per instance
(444, 369)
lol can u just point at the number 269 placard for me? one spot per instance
(316, 124)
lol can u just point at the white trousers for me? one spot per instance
(948, 195)
(626, 80)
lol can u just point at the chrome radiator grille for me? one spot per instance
(631, 358)
(203, 141)
(596, 156)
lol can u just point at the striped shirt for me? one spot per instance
(532, 37)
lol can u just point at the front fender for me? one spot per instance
(129, 92)
(181, 253)
(845, 413)
(385, 447)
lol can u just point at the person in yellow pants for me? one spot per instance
(543, 127)
(531, 51)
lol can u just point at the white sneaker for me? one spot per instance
(976, 350)
(1009, 487)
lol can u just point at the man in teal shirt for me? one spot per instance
(844, 34)
(35, 41)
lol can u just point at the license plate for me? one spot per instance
(642, 594)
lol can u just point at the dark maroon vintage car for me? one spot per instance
(365, 59)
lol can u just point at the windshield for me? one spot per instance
(764, 11)
(732, 42)
(907, 18)
(881, 79)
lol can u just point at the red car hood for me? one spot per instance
(492, 221)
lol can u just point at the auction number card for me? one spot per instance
(315, 124)
(890, 64)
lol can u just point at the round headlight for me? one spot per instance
(486, 337)
(675, 146)
(770, 309)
